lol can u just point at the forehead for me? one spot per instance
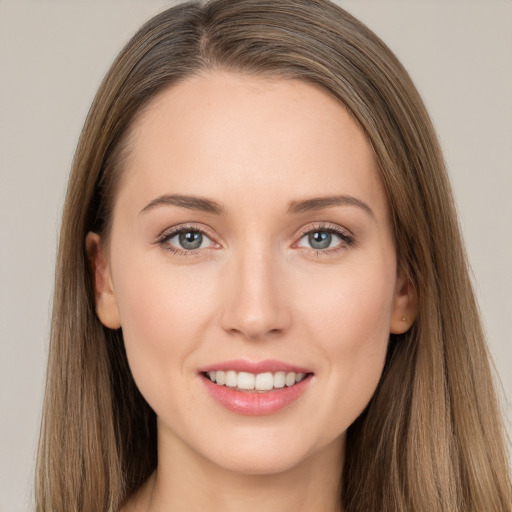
(220, 132)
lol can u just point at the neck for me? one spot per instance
(184, 480)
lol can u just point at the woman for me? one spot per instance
(262, 297)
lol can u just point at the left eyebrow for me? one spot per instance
(189, 202)
(319, 203)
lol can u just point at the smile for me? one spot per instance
(256, 388)
(261, 382)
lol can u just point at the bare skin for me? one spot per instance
(294, 262)
(211, 489)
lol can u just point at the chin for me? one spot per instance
(261, 464)
(270, 456)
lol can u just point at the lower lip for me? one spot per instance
(256, 403)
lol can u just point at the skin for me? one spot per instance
(255, 290)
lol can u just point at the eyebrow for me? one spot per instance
(189, 202)
(318, 203)
(294, 207)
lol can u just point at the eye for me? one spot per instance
(323, 239)
(185, 240)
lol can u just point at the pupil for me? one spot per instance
(191, 239)
(320, 239)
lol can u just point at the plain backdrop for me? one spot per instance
(53, 55)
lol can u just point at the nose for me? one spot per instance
(256, 305)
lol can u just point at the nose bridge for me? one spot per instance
(255, 306)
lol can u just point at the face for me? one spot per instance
(252, 268)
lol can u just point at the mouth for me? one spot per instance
(255, 383)
(256, 388)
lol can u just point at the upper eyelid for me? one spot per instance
(163, 239)
(327, 226)
(174, 230)
(346, 236)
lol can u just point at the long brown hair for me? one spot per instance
(431, 437)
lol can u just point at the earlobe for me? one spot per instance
(405, 306)
(104, 296)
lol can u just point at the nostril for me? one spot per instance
(255, 332)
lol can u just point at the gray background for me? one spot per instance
(53, 55)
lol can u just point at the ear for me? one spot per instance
(405, 305)
(104, 296)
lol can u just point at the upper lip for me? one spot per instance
(243, 365)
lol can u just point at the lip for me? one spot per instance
(255, 403)
(267, 365)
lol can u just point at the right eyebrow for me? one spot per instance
(189, 202)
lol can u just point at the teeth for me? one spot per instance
(246, 380)
(231, 379)
(279, 379)
(220, 378)
(290, 379)
(249, 381)
(264, 382)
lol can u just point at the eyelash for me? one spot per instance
(164, 238)
(347, 240)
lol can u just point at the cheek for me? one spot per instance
(164, 314)
(350, 321)
(351, 309)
